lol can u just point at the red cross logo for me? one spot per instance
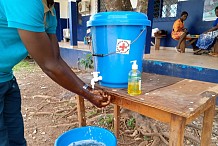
(123, 47)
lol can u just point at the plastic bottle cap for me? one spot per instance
(134, 65)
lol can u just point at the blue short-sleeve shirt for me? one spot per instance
(20, 14)
(215, 22)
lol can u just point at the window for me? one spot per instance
(165, 8)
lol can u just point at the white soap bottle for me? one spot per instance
(134, 80)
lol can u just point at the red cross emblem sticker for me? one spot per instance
(123, 46)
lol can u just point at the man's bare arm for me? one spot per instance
(45, 51)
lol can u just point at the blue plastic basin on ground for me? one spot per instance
(87, 133)
(107, 28)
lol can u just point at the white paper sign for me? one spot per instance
(209, 7)
(123, 46)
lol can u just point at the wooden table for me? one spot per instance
(171, 100)
(157, 39)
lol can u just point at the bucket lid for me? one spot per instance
(119, 18)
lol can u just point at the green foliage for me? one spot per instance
(87, 62)
(92, 113)
(146, 138)
(22, 65)
(72, 104)
(106, 120)
(131, 123)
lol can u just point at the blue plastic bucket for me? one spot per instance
(98, 134)
(117, 38)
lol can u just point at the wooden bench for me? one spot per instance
(156, 42)
(168, 99)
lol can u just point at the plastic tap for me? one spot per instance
(95, 78)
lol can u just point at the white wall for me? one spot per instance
(94, 9)
(63, 8)
(134, 3)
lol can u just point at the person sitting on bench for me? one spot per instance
(179, 33)
(207, 39)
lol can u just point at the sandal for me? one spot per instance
(205, 52)
(195, 49)
(177, 50)
(213, 54)
(198, 52)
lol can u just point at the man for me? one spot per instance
(179, 32)
(30, 26)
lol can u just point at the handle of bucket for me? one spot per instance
(103, 55)
(98, 55)
(138, 36)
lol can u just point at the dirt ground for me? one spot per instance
(49, 110)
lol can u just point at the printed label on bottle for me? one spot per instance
(140, 82)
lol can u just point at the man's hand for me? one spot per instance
(99, 98)
(185, 30)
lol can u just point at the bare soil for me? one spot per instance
(49, 110)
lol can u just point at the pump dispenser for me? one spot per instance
(134, 65)
(134, 80)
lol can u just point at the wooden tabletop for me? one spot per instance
(192, 36)
(159, 36)
(181, 97)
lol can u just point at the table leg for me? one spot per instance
(116, 120)
(81, 111)
(157, 43)
(207, 125)
(191, 41)
(177, 129)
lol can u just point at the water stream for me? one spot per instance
(87, 143)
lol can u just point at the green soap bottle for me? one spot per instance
(134, 80)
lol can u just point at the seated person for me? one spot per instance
(207, 39)
(179, 33)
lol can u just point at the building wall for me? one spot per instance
(62, 22)
(82, 25)
(194, 21)
(193, 7)
(63, 8)
(82, 28)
